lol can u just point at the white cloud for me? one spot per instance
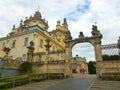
(81, 15)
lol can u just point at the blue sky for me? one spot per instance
(80, 9)
(80, 14)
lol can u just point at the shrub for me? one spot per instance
(110, 57)
(38, 78)
(6, 85)
(26, 66)
(56, 76)
(14, 81)
(111, 76)
(21, 82)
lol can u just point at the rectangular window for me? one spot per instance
(24, 57)
(3, 46)
(26, 41)
(13, 44)
(41, 42)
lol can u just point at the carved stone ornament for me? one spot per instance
(47, 46)
(30, 51)
(81, 35)
(95, 32)
(68, 35)
(6, 50)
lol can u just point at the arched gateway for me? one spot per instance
(95, 40)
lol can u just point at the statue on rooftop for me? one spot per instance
(65, 22)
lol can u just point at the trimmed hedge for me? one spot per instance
(115, 78)
(110, 57)
(13, 81)
(6, 85)
(21, 82)
(56, 76)
(110, 76)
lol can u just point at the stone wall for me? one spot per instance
(50, 68)
(111, 66)
(12, 64)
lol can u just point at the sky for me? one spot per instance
(80, 15)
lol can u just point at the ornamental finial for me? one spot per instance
(38, 9)
(95, 23)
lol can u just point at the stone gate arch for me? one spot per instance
(94, 40)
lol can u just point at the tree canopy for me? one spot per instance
(92, 67)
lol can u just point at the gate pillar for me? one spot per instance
(68, 54)
(98, 57)
(68, 66)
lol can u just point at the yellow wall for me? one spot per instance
(20, 49)
(20, 33)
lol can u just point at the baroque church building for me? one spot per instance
(31, 41)
(35, 29)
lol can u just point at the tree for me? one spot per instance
(92, 67)
(26, 66)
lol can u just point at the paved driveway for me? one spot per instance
(72, 84)
(77, 83)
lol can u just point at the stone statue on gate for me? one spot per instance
(95, 32)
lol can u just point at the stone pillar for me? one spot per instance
(98, 57)
(47, 46)
(68, 65)
(30, 52)
(98, 52)
(46, 61)
(67, 55)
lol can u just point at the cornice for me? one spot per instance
(28, 32)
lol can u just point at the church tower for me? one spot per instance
(35, 21)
